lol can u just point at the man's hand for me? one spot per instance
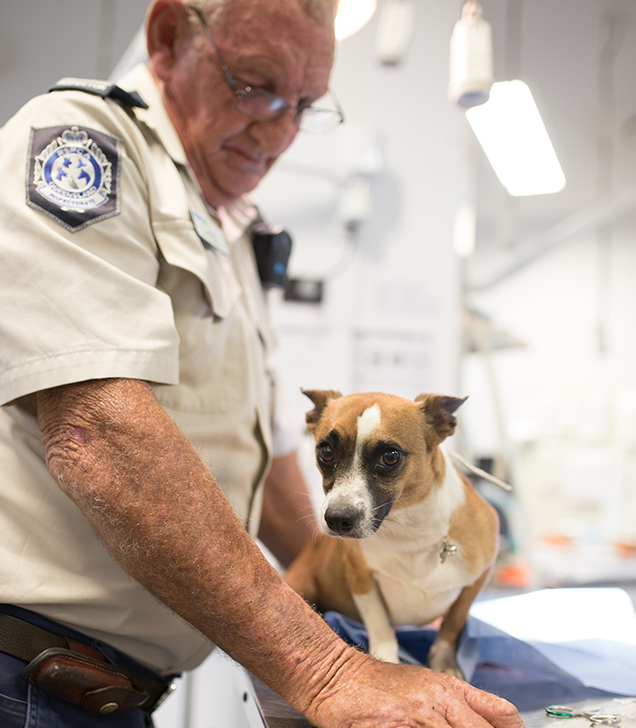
(374, 694)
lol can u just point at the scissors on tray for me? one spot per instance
(596, 718)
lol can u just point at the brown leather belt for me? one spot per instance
(78, 673)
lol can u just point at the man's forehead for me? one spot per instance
(279, 38)
(252, 18)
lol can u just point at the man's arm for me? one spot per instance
(117, 454)
(288, 520)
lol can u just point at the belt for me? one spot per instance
(78, 673)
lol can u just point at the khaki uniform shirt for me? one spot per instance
(146, 286)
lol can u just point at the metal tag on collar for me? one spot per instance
(448, 549)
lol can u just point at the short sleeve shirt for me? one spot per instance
(113, 266)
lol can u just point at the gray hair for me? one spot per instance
(322, 10)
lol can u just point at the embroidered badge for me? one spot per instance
(74, 175)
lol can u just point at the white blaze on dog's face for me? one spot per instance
(375, 451)
(351, 503)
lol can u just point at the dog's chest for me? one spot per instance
(417, 586)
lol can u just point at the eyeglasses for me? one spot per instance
(261, 105)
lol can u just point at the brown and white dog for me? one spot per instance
(414, 540)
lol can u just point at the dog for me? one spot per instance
(413, 540)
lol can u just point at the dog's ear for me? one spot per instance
(438, 411)
(320, 398)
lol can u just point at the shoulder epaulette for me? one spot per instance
(105, 89)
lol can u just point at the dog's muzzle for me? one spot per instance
(343, 521)
(347, 521)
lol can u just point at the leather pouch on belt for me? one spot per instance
(99, 688)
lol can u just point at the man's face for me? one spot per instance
(268, 44)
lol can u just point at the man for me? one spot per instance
(134, 365)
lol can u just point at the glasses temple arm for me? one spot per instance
(217, 50)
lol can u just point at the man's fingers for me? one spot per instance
(461, 715)
(383, 695)
(463, 706)
(497, 711)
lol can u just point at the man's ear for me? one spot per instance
(320, 398)
(166, 23)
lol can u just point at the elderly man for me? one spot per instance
(134, 365)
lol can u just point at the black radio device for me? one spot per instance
(272, 248)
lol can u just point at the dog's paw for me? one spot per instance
(442, 657)
(387, 651)
(454, 670)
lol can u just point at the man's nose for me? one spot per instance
(275, 135)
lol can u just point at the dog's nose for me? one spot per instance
(341, 520)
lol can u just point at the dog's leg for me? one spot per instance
(383, 643)
(443, 653)
(301, 576)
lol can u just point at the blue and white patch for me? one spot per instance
(73, 175)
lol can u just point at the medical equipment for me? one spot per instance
(471, 65)
(594, 716)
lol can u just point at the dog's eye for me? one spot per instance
(391, 458)
(325, 452)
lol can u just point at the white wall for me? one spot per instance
(391, 311)
(42, 41)
(569, 407)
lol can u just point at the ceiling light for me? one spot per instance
(470, 58)
(465, 229)
(514, 138)
(395, 31)
(353, 15)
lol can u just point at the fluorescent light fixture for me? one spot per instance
(465, 228)
(353, 15)
(513, 136)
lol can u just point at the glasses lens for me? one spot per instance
(259, 104)
(319, 121)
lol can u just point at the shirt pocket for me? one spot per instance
(214, 357)
(183, 248)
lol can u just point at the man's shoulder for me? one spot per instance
(101, 105)
(69, 147)
(97, 117)
(101, 89)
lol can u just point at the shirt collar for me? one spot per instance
(155, 117)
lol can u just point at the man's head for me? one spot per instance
(283, 46)
(322, 10)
